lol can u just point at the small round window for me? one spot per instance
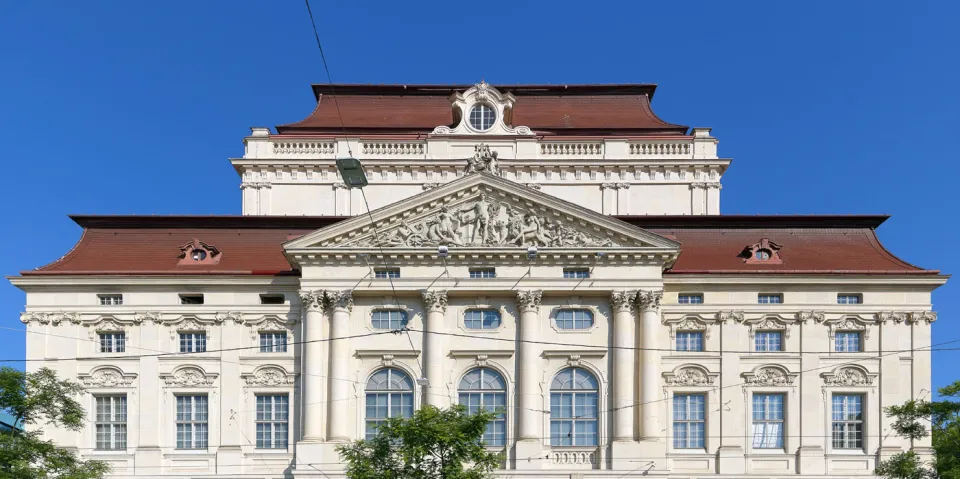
(762, 254)
(199, 255)
(482, 117)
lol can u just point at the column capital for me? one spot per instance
(529, 300)
(312, 299)
(341, 300)
(623, 301)
(649, 300)
(435, 300)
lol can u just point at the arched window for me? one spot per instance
(573, 408)
(485, 389)
(389, 394)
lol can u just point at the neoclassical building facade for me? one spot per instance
(553, 253)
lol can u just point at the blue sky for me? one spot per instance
(134, 107)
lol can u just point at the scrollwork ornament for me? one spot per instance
(896, 317)
(689, 376)
(529, 300)
(815, 316)
(848, 377)
(152, 316)
(435, 300)
(235, 316)
(925, 316)
(726, 316)
(269, 377)
(769, 376)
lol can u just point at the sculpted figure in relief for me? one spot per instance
(483, 160)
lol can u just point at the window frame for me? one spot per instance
(844, 334)
(197, 438)
(481, 117)
(499, 398)
(687, 440)
(677, 341)
(191, 298)
(114, 345)
(106, 299)
(390, 395)
(115, 428)
(763, 333)
(196, 344)
(482, 319)
(576, 273)
(779, 297)
(270, 439)
(273, 345)
(690, 298)
(267, 298)
(780, 442)
(386, 273)
(404, 319)
(858, 296)
(559, 323)
(844, 432)
(482, 273)
(585, 395)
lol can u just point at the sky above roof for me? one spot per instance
(134, 107)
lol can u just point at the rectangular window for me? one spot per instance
(689, 421)
(690, 299)
(849, 299)
(111, 423)
(768, 421)
(574, 319)
(690, 341)
(191, 299)
(110, 299)
(847, 421)
(389, 319)
(193, 342)
(847, 342)
(576, 273)
(483, 273)
(192, 416)
(272, 299)
(273, 342)
(386, 273)
(113, 342)
(766, 341)
(481, 319)
(273, 414)
(770, 299)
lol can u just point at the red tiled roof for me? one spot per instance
(252, 245)
(546, 109)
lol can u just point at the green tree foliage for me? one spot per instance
(916, 419)
(433, 444)
(35, 400)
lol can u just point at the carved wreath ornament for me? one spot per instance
(484, 222)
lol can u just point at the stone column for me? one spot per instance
(624, 342)
(529, 397)
(341, 302)
(649, 303)
(310, 383)
(436, 306)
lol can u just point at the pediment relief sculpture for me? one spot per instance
(769, 376)
(189, 376)
(690, 376)
(106, 377)
(847, 323)
(688, 323)
(848, 376)
(268, 376)
(767, 323)
(270, 323)
(485, 222)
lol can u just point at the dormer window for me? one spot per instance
(762, 254)
(763, 251)
(482, 117)
(197, 252)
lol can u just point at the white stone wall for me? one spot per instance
(676, 176)
(63, 314)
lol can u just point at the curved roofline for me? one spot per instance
(516, 90)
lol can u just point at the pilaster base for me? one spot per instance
(317, 455)
(623, 454)
(886, 452)
(730, 460)
(810, 460)
(528, 454)
(653, 451)
(150, 458)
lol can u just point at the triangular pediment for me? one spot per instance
(483, 211)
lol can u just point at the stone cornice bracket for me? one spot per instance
(435, 300)
(340, 300)
(714, 185)
(726, 316)
(805, 316)
(649, 300)
(49, 318)
(339, 185)
(529, 301)
(896, 316)
(429, 186)
(235, 316)
(926, 316)
(623, 301)
(152, 316)
(312, 300)
(697, 184)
